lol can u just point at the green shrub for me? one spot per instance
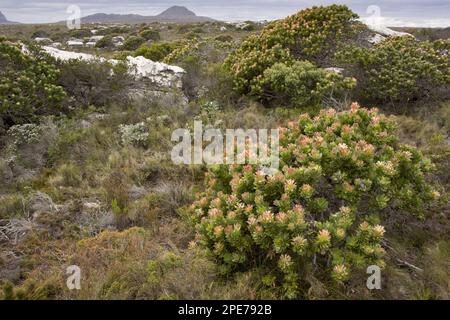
(105, 42)
(398, 69)
(205, 50)
(192, 36)
(249, 26)
(303, 84)
(132, 43)
(28, 85)
(312, 34)
(442, 45)
(202, 60)
(320, 215)
(114, 30)
(40, 34)
(94, 82)
(134, 134)
(184, 28)
(208, 81)
(80, 33)
(156, 51)
(149, 34)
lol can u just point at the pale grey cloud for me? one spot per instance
(394, 12)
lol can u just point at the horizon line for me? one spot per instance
(399, 22)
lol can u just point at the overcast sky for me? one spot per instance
(434, 13)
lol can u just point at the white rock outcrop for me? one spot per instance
(70, 55)
(93, 41)
(140, 68)
(75, 43)
(161, 73)
(376, 38)
(118, 41)
(241, 25)
(381, 32)
(335, 70)
(56, 44)
(387, 32)
(95, 38)
(41, 40)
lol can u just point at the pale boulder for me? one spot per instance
(140, 68)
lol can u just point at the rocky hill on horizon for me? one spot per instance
(4, 20)
(176, 14)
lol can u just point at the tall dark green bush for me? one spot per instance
(132, 43)
(150, 34)
(156, 51)
(28, 85)
(105, 42)
(94, 83)
(302, 84)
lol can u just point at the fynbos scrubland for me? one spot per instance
(110, 191)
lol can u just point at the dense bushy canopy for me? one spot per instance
(312, 34)
(400, 68)
(303, 84)
(28, 85)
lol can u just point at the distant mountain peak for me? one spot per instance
(2, 18)
(177, 11)
(176, 14)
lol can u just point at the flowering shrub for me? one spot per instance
(312, 34)
(303, 84)
(19, 135)
(28, 85)
(25, 133)
(321, 211)
(399, 68)
(443, 46)
(135, 134)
